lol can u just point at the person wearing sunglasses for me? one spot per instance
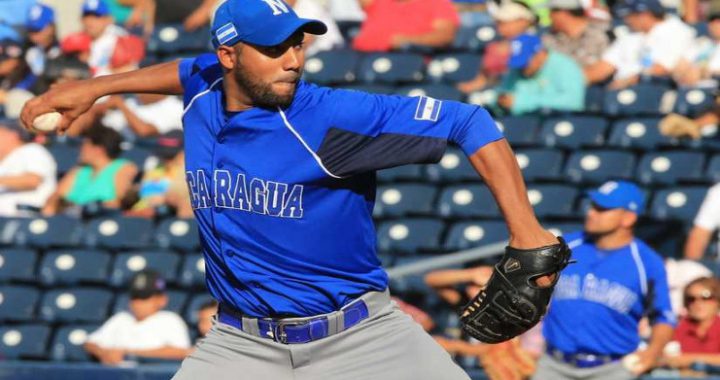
(698, 332)
(591, 330)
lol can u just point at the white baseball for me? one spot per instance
(47, 122)
(631, 361)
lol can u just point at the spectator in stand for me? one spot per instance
(122, 10)
(701, 61)
(14, 70)
(680, 273)
(146, 331)
(653, 49)
(573, 33)
(312, 10)
(512, 19)
(27, 172)
(540, 79)
(193, 14)
(698, 333)
(101, 177)
(99, 25)
(395, 24)
(13, 17)
(42, 33)
(205, 315)
(675, 125)
(707, 222)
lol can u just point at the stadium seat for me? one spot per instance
(9, 228)
(176, 302)
(520, 130)
(636, 133)
(192, 272)
(138, 155)
(596, 166)
(560, 229)
(681, 203)
(552, 200)
(76, 305)
(540, 163)
(669, 168)
(17, 264)
(391, 68)
(119, 233)
(332, 67)
(413, 283)
(66, 156)
(73, 267)
(471, 234)
(126, 264)
(173, 38)
(436, 91)
(409, 235)
(641, 99)
(453, 68)
(474, 39)
(27, 341)
(574, 131)
(194, 305)
(694, 101)
(454, 166)
(467, 201)
(57, 231)
(594, 99)
(18, 303)
(68, 341)
(404, 200)
(371, 88)
(401, 173)
(181, 234)
(712, 173)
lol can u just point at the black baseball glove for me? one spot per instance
(512, 303)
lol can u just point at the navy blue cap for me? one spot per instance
(619, 194)
(259, 22)
(145, 284)
(626, 7)
(524, 47)
(39, 17)
(95, 7)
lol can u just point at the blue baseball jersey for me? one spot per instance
(599, 300)
(284, 198)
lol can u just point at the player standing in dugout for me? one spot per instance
(282, 181)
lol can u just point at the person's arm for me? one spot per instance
(200, 16)
(662, 333)
(138, 125)
(442, 34)
(696, 243)
(691, 10)
(706, 221)
(72, 99)
(123, 183)
(52, 205)
(165, 352)
(443, 281)
(687, 360)
(21, 182)
(598, 72)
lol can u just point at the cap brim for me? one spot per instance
(275, 37)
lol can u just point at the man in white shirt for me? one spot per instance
(653, 48)
(99, 25)
(27, 172)
(146, 331)
(313, 10)
(706, 222)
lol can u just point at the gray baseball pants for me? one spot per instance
(552, 369)
(388, 345)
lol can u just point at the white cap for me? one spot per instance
(510, 11)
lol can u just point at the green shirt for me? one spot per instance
(119, 12)
(100, 187)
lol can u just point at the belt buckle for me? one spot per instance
(279, 334)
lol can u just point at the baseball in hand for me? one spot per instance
(47, 122)
(630, 362)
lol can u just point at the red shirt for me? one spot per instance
(690, 342)
(386, 18)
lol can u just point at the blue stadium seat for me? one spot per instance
(332, 67)
(9, 228)
(27, 341)
(594, 99)
(467, 201)
(410, 235)
(668, 168)
(126, 264)
(641, 99)
(181, 234)
(137, 155)
(404, 200)
(18, 303)
(680, 203)
(474, 39)
(192, 271)
(68, 341)
(453, 68)
(73, 267)
(694, 101)
(520, 130)
(414, 283)
(401, 173)
(712, 173)
(596, 166)
(57, 231)
(194, 305)
(173, 38)
(436, 91)
(636, 133)
(66, 156)
(17, 264)
(552, 200)
(540, 163)
(391, 68)
(454, 166)
(470, 234)
(574, 131)
(176, 302)
(560, 229)
(371, 88)
(76, 305)
(119, 233)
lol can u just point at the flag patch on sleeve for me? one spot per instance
(428, 109)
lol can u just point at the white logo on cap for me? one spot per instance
(278, 6)
(608, 187)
